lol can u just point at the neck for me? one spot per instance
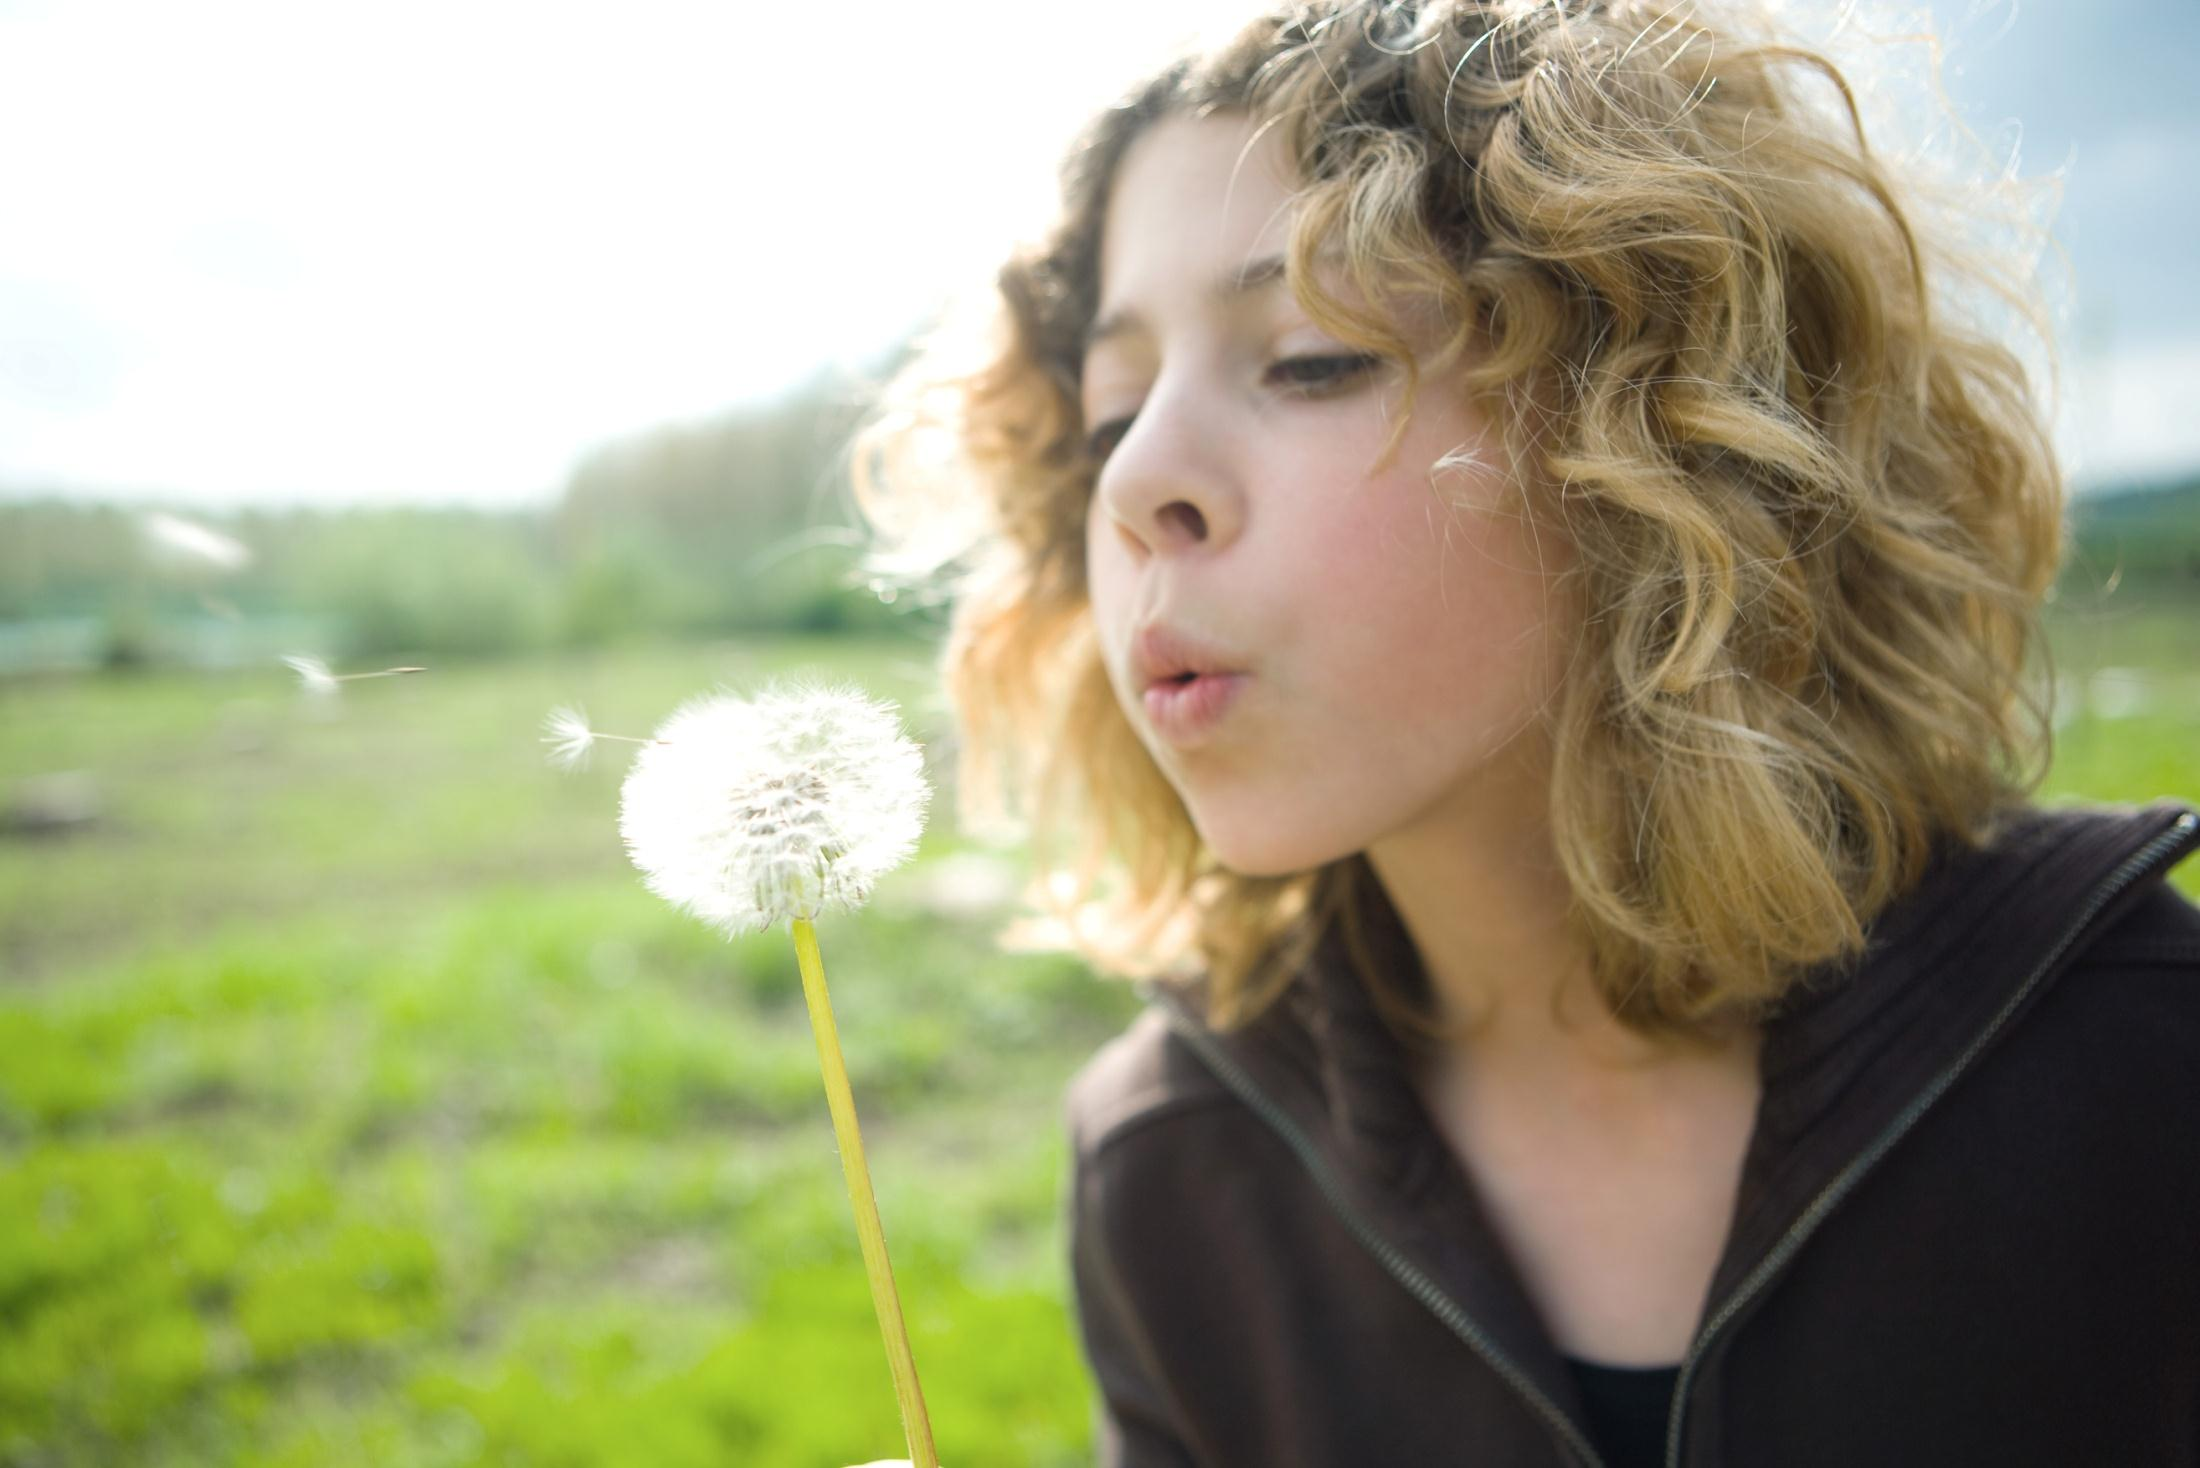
(1478, 886)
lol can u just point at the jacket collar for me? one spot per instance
(1947, 968)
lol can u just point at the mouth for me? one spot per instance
(1165, 660)
(1188, 678)
(1184, 708)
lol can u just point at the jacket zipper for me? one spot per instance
(1448, 1310)
(1404, 1270)
(1807, 1222)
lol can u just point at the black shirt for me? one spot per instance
(1627, 1407)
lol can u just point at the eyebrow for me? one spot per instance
(1255, 275)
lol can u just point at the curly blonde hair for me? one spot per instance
(1818, 513)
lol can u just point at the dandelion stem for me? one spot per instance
(916, 1427)
(384, 673)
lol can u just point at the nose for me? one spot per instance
(1172, 485)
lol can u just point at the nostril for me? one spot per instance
(1188, 516)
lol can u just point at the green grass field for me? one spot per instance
(358, 1106)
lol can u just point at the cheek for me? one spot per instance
(1104, 594)
(1099, 565)
(1445, 604)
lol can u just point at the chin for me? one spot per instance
(1269, 853)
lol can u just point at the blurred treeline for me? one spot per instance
(736, 524)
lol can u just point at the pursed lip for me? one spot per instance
(1160, 654)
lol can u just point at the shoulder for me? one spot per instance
(2123, 1020)
(1142, 1079)
(2160, 930)
(2133, 990)
(2089, 885)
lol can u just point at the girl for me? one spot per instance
(1484, 528)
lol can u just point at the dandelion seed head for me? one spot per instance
(566, 731)
(313, 675)
(752, 812)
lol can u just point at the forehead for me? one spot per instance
(1193, 199)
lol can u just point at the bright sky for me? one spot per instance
(294, 251)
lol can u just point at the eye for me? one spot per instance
(1326, 370)
(1101, 441)
(1311, 375)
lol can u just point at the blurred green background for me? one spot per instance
(357, 1104)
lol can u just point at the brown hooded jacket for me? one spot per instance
(1967, 1232)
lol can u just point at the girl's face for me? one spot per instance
(1394, 649)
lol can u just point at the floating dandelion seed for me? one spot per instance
(317, 680)
(189, 541)
(567, 731)
(313, 675)
(570, 738)
(752, 813)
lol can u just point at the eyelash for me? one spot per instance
(1337, 369)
